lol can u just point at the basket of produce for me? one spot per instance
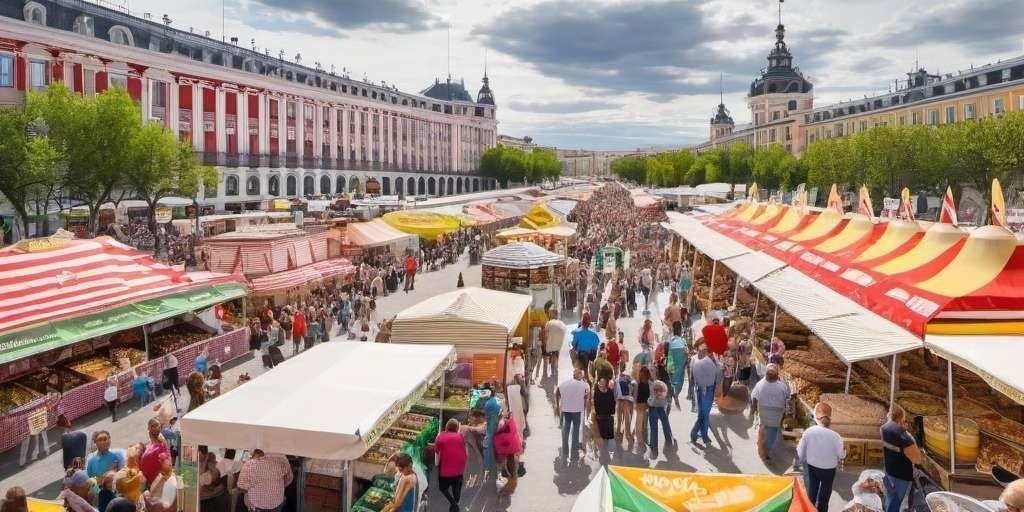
(993, 452)
(175, 338)
(134, 356)
(854, 416)
(96, 368)
(13, 395)
(413, 421)
(921, 404)
(403, 434)
(936, 438)
(997, 426)
(375, 499)
(382, 481)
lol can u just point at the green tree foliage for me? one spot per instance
(27, 161)
(630, 169)
(543, 165)
(511, 164)
(163, 167)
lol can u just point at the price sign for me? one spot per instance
(37, 421)
(890, 203)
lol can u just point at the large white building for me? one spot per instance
(273, 128)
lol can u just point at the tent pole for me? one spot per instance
(735, 291)
(892, 379)
(145, 339)
(753, 319)
(346, 497)
(440, 408)
(949, 413)
(849, 370)
(775, 320)
(711, 289)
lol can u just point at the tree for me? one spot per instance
(543, 166)
(163, 167)
(94, 136)
(27, 161)
(629, 169)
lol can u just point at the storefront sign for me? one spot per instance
(37, 421)
(485, 368)
(282, 204)
(163, 215)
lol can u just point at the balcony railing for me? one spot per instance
(294, 161)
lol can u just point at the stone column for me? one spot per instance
(219, 117)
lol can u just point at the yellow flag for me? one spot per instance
(753, 193)
(998, 205)
(864, 205)
(835, 202)
(906, 207)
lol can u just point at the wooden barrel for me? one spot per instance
(936, 438)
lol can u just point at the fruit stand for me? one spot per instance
(849, 294)
(367, 418)
(524, 267)
(480, 323)
(84, 325)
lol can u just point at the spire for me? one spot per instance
(485, 96)
(721, 92)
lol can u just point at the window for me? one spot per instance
(35, 13)
(791, 105)
(308, 187)
(969, 111)
(325, 185)
(231, 186)
(775, 116)
(274, 186)
(37, 74)
(951, 114)
(6, 70)
(121, 35)
(290, 185)
(789, 135)
(903, 120)
(1020, 102)
(252, 186)
(863, 126)
(915, 118)
(119, 81)
(933, 117)
(997, 106)
(84, 25)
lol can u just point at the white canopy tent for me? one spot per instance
(471, 318)
(521, 255)
(330, 402)
(991, 356)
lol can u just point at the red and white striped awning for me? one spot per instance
(49, 279)
(302, 275)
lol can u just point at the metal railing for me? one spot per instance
(294, 161)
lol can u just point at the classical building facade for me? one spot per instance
(588, 163)
(273, 128)
(782, 109)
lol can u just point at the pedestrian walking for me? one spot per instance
(571, 397)
(657, 412)
(899, 455)
(625, 400)
(604, 418)
(410, 273)
(705, 376)
(110, 396)
(677, 359)
(769, 399)
(299, 330)
(643, 394)
(819, 451)
(104, 458)
(450, 448)
(585, 343)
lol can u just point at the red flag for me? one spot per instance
(948, 213)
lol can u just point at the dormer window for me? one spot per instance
(35, 13)
(121, 35)
(84, 25)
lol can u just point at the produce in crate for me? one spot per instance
(921, 404)
(993, 452)
(807, 391)
(936, 438)
(96, 368)
(998, 426)
(813, 375)
(826, 363)
(13, 395)
(855, 416)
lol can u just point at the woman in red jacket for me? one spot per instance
(299, 330)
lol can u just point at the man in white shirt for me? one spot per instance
(769, 399)
(705, 374)
(819, 451)
(554, 338)
(571, 397)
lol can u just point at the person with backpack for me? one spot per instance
(677, 359)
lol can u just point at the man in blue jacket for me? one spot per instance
(584, 344)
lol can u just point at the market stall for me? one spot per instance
(479, 322)
(362, 410)
(283, 287)
(629, 489)
(543, 226)
(378, 236)
(268, 249)
(79, 311)
(427, 224)
(524, 267)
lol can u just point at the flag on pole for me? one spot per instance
(906, 206)
(998, 205)
(753, 192)
(864, 205)
(835, 202)
(948, 213)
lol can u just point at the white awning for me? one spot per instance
(707, 241)
(753, 265)
(994, 358)
(853, 332)
(330, 402)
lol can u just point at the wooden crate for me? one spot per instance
(855, 449)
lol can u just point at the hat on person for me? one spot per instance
(77, 479)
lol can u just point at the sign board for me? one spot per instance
(163, 215)
(37, 421)
(486, 367)
(890, 203)
(282, 204)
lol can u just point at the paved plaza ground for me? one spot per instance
(548, 485)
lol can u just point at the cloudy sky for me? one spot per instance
(605, 74)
